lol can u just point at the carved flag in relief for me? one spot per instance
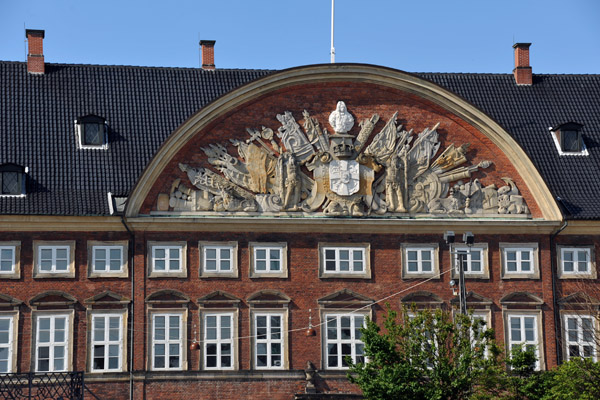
(344, 177)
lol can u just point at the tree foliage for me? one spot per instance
(426, 355)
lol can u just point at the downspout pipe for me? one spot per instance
(554, 274)
(132, 314)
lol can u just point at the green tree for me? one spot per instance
(577, 379)
(425, 355)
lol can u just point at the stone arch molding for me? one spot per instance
(321, 168)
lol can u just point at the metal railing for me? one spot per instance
(42, 386)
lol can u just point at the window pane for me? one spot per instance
(174, 265)
(210, 265)
(210, 253)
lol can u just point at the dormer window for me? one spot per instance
(12, 180)
(568, 139)
(91, 132)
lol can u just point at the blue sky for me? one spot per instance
(415, 36)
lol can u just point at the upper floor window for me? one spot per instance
(576, 262)
(10, 265)
(54, 259)
(523, 331)
(269, 340)
(107, 259)
(519, 261)
(473, 260)
(268, 260)
(7, 343)
(218, 259)
(91, 132)
(339, 261)
(343, 339)
(419, 260)
(219, 349)
(580, 336)
(52, 345)
(107, 342)
(167, 341)
(568, 139)
(12, 180)
(167, 259)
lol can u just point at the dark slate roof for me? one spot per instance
(141, 105)
(526, 112)
(144, 105)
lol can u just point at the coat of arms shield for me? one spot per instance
(344, 177)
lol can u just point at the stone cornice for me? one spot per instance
(43, 223)
(582, 228)
(340, 225)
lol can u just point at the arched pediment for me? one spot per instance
(268, 296)
(579, 300)
(268, 149)
(7, 301)
(107, 298)
(219, 297)
(521, 299)
(345, 298)
(422, 298)
(167, 296)
(474, 299)
(53, 298)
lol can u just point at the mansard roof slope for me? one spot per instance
(144, 105)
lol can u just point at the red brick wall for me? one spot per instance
(303, 286)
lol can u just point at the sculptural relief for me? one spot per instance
(393, 172)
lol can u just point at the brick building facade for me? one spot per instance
(176, 233)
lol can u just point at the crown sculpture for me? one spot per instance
(302, 171)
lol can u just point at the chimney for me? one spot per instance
(208, 54)
(522, 71)
(35, 54)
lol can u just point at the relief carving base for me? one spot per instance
(305, 171)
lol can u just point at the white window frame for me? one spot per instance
(106, 342)
(420, 273)
(39, 246)
(589, 273)
(482, 248)
(232, 272)
(219, 340)
(167, 341)
(52, 344)
(282, 272)
(580, 342)
(180, 272)
(353, 341)
(269, 341)
(537, 340)
(519, 249)
(15, 260)
(11, 344)
(364, 248)
(93, 272)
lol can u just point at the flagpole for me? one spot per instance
(332, 48)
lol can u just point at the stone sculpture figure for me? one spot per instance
(340, 119)
(394, 184)
(292, 185)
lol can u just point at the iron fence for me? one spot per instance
(44, 386)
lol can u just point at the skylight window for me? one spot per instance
(568, 139)
(91, 132)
